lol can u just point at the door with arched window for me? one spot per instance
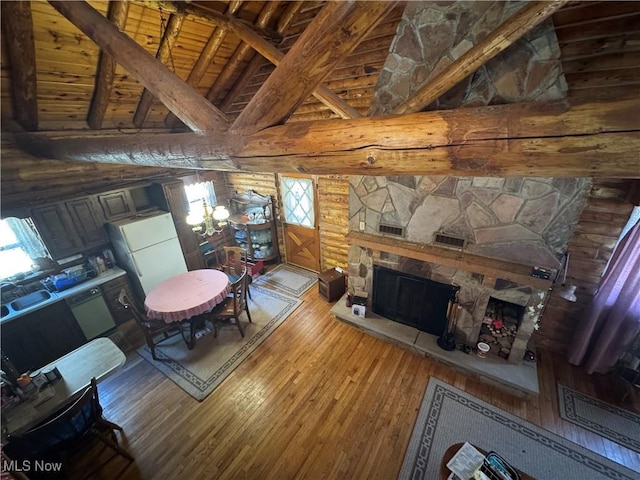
(300, 221)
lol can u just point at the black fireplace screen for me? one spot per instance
(412, 300)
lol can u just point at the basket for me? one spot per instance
(497, 468)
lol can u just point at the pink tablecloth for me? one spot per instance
(186, 295)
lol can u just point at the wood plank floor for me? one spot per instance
(318, 399)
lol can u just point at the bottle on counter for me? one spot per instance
(100, 264)
(109, 259)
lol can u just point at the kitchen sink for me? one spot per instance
(4, 311)
(29, 300)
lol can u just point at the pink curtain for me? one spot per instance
(612, 319)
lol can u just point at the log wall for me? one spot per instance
(333, 203)
(590, 248)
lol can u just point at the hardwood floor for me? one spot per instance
(318, 399)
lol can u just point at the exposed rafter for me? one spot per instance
(169, 37)
(205, 58)
(198, 114)
(18, 32)
(275, 56)
(333, 34)
(497, 41)
(242, 55)
(555, 139)
(105, 73)
(256, 62)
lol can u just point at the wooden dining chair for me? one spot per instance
(235, 262)
(232, 306)
(67, 433)
(152, 327)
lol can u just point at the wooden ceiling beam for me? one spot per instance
(117, 14)
(330, 37)
(169, 37)
(18, 33)
(257, 61)
(241, 55)
(275, 56)
(188, 105)
(223, 20)
(554, 139)
(205, 58)
(523, 21)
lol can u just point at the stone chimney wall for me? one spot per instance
(431, 35)
(522, 220)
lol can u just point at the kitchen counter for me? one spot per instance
(104, 277)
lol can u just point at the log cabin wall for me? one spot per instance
(590, 247)
(333, 202)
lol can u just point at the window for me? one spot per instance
(297, 199)
(20, 247)
(197, 195)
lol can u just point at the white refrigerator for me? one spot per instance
(147, 247)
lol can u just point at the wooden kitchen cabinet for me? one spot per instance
(88, 221)
(70, 227)
(57, 230)
(39, 338)
(116, 204)
(111, 291)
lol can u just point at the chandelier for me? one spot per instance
(206, 222)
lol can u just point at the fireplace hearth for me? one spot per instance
(412, 300)
(500, 326)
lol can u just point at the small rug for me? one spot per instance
(449, 416)
(199, 371)
(293, 280)
(616, 424)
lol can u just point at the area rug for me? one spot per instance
(449, 415)
(199, 371)
(292, 280)
(616, 424)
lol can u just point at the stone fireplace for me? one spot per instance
(514, 231)
(412, 300)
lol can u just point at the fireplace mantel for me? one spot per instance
(514, 272)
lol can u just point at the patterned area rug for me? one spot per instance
(448, 416)
(199, 371)
(616, 424)
(292, 280)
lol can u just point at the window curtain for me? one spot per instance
(27, 237)
(612, 319)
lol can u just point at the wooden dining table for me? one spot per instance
(98, 358)
(187, 296)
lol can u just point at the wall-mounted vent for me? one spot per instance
(391, 230)
(449, 241)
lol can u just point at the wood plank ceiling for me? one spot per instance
(227, 53)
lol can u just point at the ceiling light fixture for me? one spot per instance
(207, 223)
